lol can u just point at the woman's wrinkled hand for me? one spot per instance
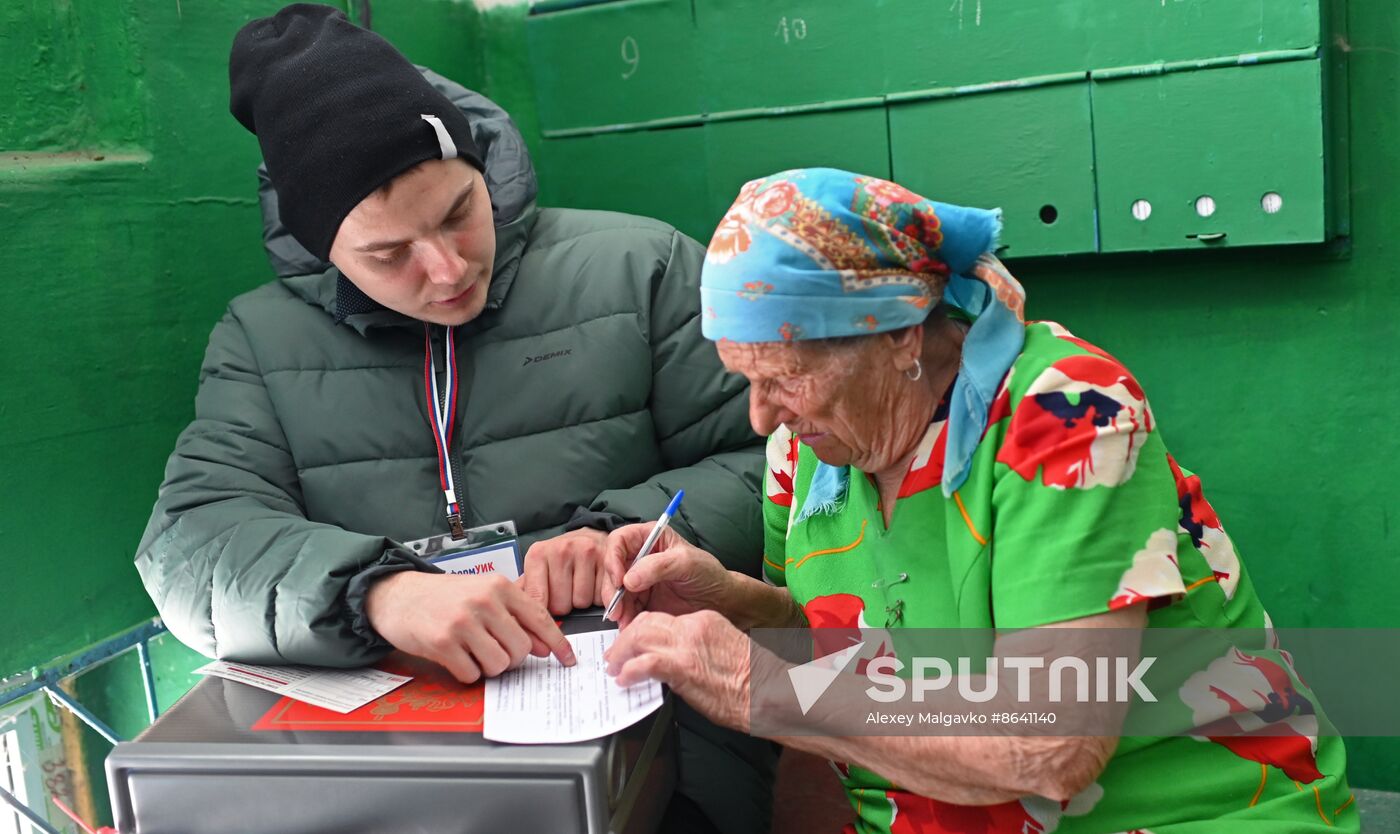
(701, 656)
(677, 578)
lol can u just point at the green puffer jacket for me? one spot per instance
(585, 385)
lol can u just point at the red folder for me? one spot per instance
(433, 702)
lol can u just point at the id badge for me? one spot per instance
(490, 548)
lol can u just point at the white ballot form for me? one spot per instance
(545, 702)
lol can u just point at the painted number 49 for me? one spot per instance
(791, 29)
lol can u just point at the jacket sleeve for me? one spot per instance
(701, 416)
(233, 565)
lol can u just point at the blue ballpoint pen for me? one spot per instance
(661, 524)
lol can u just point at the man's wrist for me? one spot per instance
(381, 591)
(357, 596)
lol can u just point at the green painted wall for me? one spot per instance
(129, 216)
(127, 204)
(442, 34)
(123, 182)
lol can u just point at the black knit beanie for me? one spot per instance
(338, 113)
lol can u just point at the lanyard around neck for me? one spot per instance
(442, 414)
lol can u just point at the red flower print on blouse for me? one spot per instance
(915, 814)
(781, 452)
(1249, 705)
(1081, 424)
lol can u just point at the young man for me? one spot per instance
(467, 359)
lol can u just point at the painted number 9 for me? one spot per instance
(630, 56)
(791, 29)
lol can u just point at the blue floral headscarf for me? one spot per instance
(817, 253)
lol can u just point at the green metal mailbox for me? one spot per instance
(768, 55)
(654, 173)
(1029, 151)
(612, 63)
(1222, 157)
(1097, 125)
(950, 43)
(854, 140)
(1136, 32)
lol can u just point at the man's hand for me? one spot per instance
(677, 578)
(565, 572)
(474, 626)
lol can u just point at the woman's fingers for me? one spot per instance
(625, 542)
(629, 608)
(653, 649)
(644, 668)
(623, 648)
(621, 547)
(650, 632)
(669, 565)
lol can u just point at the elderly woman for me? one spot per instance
(936, 462)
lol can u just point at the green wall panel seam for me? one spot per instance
(1094, 174)
(1027, 83)
(694, 120)
(1165, 68)
(889, 142)
(832, 106)
(933, 93)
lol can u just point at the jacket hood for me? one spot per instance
(510, 180)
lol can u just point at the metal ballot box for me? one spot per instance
(200, 768)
